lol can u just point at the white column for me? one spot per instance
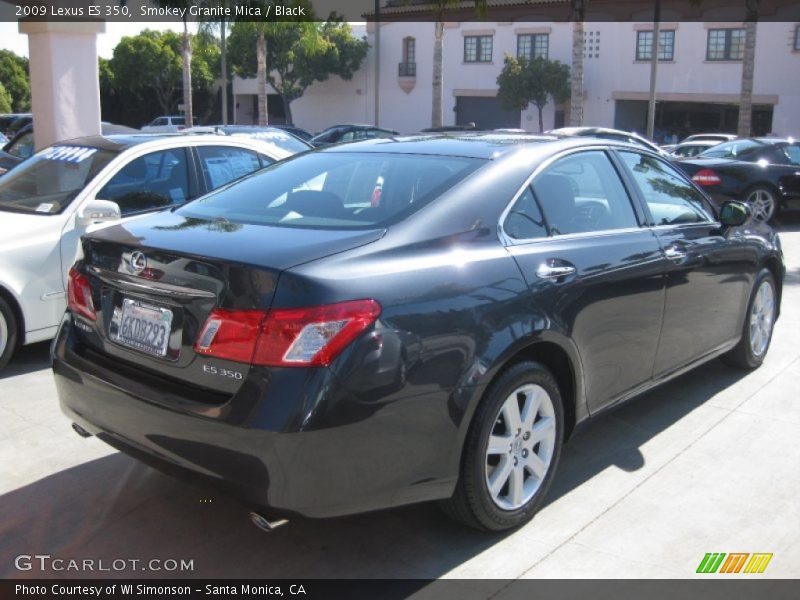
(65, 87)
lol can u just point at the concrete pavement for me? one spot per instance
(706, 463)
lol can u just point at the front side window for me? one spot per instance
(478, 48)
(725, 44)
(335, 190)
(666, 45)
(223, 164)
(791, 154)
(583, 193)
(669, 197)
(49, 181)
(149, 182)
(535, 45)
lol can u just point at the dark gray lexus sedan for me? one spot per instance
(407, 319)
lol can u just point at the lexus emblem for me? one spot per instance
(138, 262)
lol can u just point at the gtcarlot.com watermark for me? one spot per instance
(47, 562)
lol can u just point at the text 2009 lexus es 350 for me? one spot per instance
(407, 319)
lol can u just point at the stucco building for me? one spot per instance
(699, 77)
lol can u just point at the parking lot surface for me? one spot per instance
(706, 463)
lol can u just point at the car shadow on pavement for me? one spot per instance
(116, 508)
(28, 359)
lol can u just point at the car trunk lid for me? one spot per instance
(155, 281)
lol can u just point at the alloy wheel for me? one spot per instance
(3, 334)
(521, 446)
(762, 203)
(762, 316)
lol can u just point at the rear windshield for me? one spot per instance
(735, 149)
(48, 181)
(335, 190)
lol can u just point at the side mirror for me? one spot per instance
(733, 214)
(99, 211)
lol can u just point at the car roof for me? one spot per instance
(469, 145)
(119, 142)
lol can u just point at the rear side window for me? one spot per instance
(737, 149)
(223, 164)
(583, 193)
(524, 221)
(670, 198)
(335, 190)
(149, 182)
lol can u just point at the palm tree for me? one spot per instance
(577, 15)
(261, 75)
(440, 6)
(186, 52)
(220, 25)
(748, 68)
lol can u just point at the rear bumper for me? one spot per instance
(261, 450)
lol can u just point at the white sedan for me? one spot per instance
(60, 193)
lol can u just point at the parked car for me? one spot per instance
(7, 119)
(408, 319)
(20, 122)
(689, 149)
(17, 149)
(298, 132)
(605, 133)
(22, 146)
(166, 124)
(763, 172)
(713, 137)
(349, 133)
(51, 199)
(280, 137)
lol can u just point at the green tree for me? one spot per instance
(148, 62)
(524, 81)
(5, 100)
(299, 54)
(14, 76)
(148, 66)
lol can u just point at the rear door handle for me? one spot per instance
(555, 269)
(674, 252)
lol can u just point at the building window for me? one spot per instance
(725, 44)
(478, 48)
(535, 45)
(666, 45)
(408, 68)
(797, 38)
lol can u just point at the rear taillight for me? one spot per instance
(706, 177)
(286, 337)
(79, 294)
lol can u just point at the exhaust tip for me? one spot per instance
(81, 431)
(265, 523)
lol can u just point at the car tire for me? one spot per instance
(8, 333)
(486, 498)
(759, 323)
(763, 202)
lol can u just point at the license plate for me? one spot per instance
(143, 327)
